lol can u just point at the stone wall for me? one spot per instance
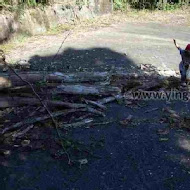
(104, 6)
(38, 20)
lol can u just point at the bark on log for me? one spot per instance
(6, 102)
(20, 134)
(11, 80)
(151, 85)
(106, 100)
(86, 90)
(109, 99)
(94, 111)
(95, 104)
(45, 117)
(77, 124)
(38, 119)
(79, 77)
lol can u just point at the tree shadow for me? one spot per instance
(74, 60)
(139, 152)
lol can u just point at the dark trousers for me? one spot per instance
(183, 71)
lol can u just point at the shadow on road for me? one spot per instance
(95, 59)
(133, 157)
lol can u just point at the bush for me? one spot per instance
(28, 3)
(120, 5)
(169, 6)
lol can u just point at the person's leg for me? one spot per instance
(182, 70)
(187, 74)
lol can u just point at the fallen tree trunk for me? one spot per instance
(109, 99)
(94, 111)
(79, 77)
(20, 134)
(39, 119)
(95, 104)
(77, 124)
(86, 90)
(45, 117)
(106, 100)
(6, 102)
(11, 80)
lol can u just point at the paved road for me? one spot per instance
(141, 42)
(133, 158)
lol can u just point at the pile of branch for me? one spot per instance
(67, 100)
(81, 91)
(58, 93)
(11, 80)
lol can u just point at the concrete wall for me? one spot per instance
(38, 20)
(106, 6)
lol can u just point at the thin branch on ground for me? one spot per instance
(61, 45)
(43, 104)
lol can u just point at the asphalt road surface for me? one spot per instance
(146, 43)
(133, 158)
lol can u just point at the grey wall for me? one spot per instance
(37, 21)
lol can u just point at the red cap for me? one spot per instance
(188, 47)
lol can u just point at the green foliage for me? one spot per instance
(80, 3)
(120, 5)
(169, 6)
(14, 4)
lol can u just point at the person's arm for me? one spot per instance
(176, 45)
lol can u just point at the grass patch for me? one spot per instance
(16, 41)
(60, 28)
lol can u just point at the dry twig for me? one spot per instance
(43, 104)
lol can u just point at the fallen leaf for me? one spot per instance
(127, 120)
(83, 161)
(163, 139)
(163, 131)
(25, 143)
(5, 152)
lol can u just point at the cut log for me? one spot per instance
(77, 124)
(127, 75)
(21, 133)
(109, 99)
(94, 111)
(151, 85)
(106, 100)
(45, 117)
(79, 77)
(6, 102)
(86, 90)
(95, 104)
(39, 119)
(11, 80)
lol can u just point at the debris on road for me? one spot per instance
(127, 120)
(68, 100)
